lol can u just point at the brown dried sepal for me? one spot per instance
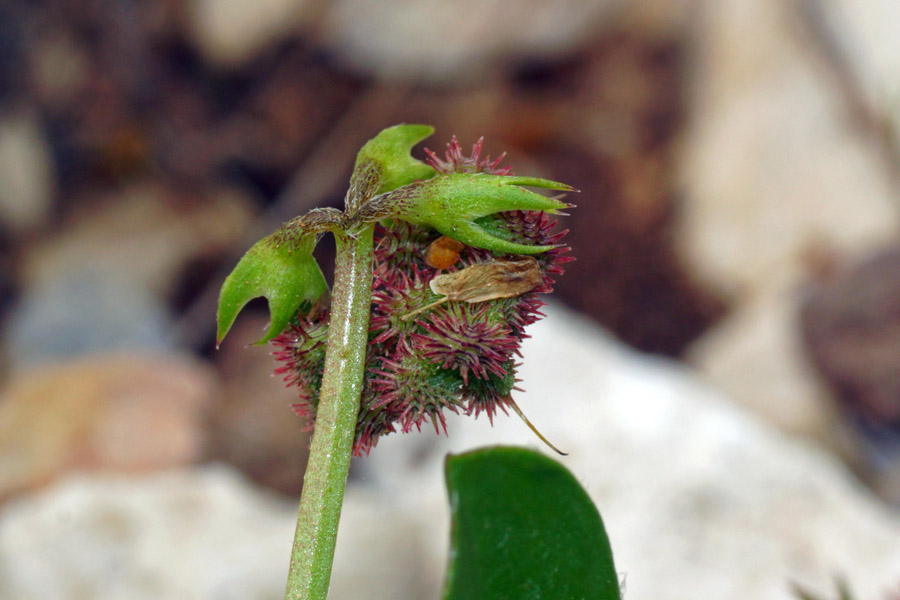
(500, 278)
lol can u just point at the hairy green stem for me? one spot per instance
(332, 442)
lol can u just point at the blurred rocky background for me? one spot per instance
(737, 284)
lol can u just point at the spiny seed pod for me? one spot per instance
(432, 346)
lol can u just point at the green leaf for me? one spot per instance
(452, 203)
(279, 267)
(523, 528)
(389, 154)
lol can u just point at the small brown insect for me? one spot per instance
(499, 278)
(443, 252)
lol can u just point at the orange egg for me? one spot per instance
(443, 252)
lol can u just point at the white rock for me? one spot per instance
(756, 356)
(773, 171)
(154, 231)
(867, 33)
(445, 41)
(700, 501)
(188, 535)
(101, 284)
(772, 164)
(125, 413)
(231, 32)
(85, 311)
(26, 170)
(196, 535)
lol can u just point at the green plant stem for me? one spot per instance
(332, 442)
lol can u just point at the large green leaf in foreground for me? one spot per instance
(523, 528)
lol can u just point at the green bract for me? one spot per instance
(281, 268)
(388, 154)
(453, 203)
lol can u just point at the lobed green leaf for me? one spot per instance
(389, 154)
(279, 267)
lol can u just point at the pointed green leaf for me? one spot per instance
(477, 236)
(537, 182)
(389, 153)
(279, 267)
(470, 196)
(452, 203)
(523, 528)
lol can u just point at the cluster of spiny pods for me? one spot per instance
(437, 340)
